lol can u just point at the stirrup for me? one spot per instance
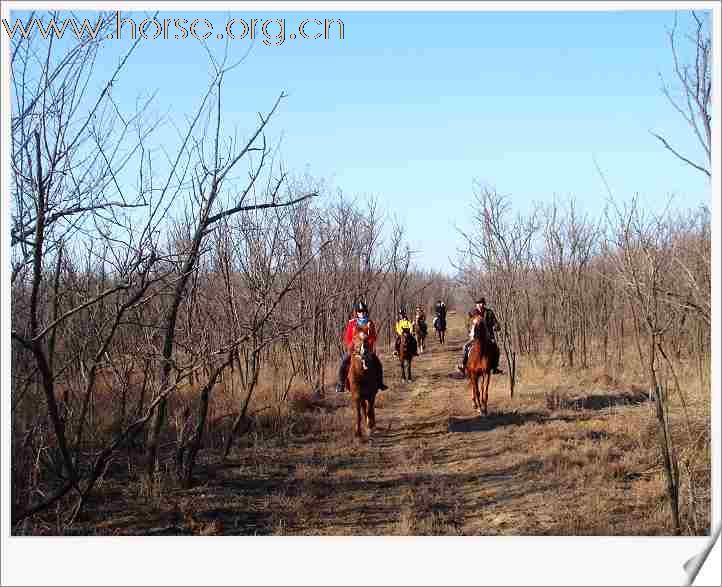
(339, 388)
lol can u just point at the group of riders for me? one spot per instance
(361, 319)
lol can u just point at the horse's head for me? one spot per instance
(479, 326)
(361, 345)
(405, 333)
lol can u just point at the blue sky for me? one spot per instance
(413, 107)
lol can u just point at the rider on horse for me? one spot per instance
(439, 313)
(420, 320)
(401, 325)
(362, 319)
(492, 325)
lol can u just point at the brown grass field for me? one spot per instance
(573, 453)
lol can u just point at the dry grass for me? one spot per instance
(573, 453)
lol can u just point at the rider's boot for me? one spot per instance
(343, 373)
(462, 366)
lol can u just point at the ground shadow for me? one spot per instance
(599, 401)
(456, 375)
(502, 419)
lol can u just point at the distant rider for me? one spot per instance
(404, 324)
(439, 313)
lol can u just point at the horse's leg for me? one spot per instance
(409, 364)
(371, 417)
(357, 401)
(401, 363)
(473, 384)
(365, 411)
(487, 380)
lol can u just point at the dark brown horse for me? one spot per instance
(483, 355)
(363, 380)
(440, 327)
(407, 351)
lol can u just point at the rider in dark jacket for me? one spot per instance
(492, 326)
(439, 314)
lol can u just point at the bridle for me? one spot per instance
(361, 349)
(479, 324)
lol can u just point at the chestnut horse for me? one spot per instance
(363, 380)
(407, 351)
(420, 331)
(483, 355)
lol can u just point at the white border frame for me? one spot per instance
(329, 561)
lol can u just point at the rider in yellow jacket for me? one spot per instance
(403, 324)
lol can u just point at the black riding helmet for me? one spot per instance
(361, 307)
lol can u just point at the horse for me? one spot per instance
(420, 331)
(407, 351)
(483, 355)
(440, 327)
(363, 380)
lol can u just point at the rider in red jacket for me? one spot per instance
(348, 335)
(362, 318)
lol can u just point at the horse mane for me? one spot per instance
(481, 332)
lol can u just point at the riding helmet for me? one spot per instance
(361, 307)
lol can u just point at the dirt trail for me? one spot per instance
(433, 467)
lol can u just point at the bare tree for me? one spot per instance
(692, 98)
(500, 250)
(208, 182)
